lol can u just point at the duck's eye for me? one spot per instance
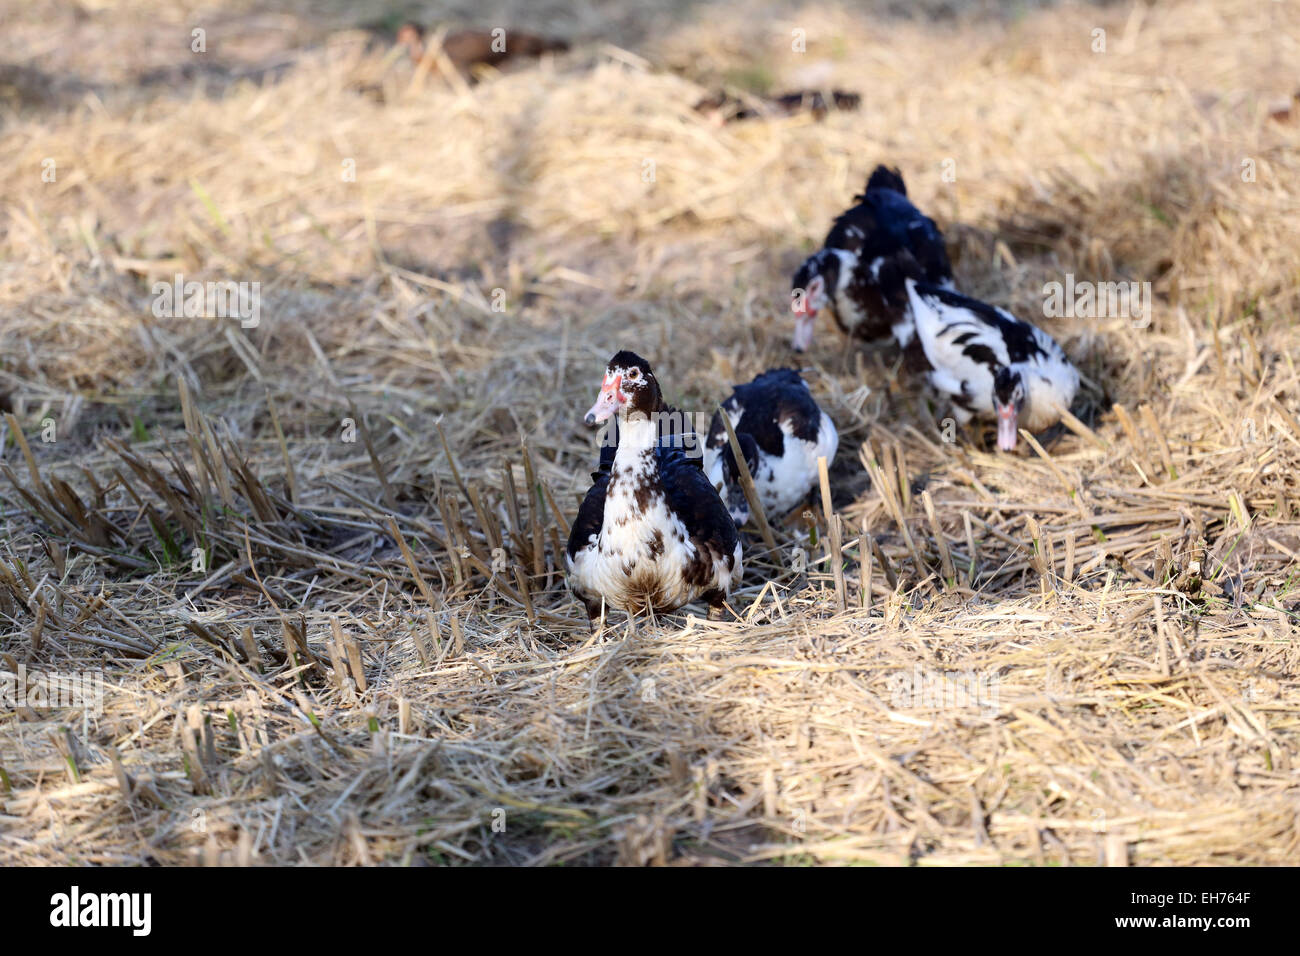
(633, 374)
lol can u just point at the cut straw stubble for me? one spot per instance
(834, 535)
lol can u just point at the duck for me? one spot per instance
(859, 271)
(725, 106)
(782, 431)
(468, 50)
(991, 363)
(652, 533)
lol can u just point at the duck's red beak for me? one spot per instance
(1008, 431)
(610, 400)
(803, 330)
(804, 315)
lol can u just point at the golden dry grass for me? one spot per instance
(317, 695)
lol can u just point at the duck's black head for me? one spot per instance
(737, 503)
(629, 390)
(1008, 401)
(814, 284)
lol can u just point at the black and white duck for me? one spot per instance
(859, 271)
(781, 431)
(991, 363)
(652, 533)
(469, 51)
(724, 106)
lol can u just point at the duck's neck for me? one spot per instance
(1028, 381)
(637, 438)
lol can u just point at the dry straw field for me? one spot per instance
(1081, 653)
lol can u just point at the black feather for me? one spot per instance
(882, 177)
(695, 501)
(778, 395)
(591, 513)
(1018, 335)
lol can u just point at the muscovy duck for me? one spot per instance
(859, 271)
(725, 106)
(652, 533)
(781, 431)
(992, 363)
(467, 50)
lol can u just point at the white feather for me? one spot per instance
(1050, 380)
(850, 315)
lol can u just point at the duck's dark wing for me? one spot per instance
(677, 431)
(776, 396)
(901, 227)
(591, 513)
(925, 242)
(748, 448)
(780, 377)
(967, 328)
(691, 497)
(853, 229)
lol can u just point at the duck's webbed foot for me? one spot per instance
(716, 601)
(595, 613)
